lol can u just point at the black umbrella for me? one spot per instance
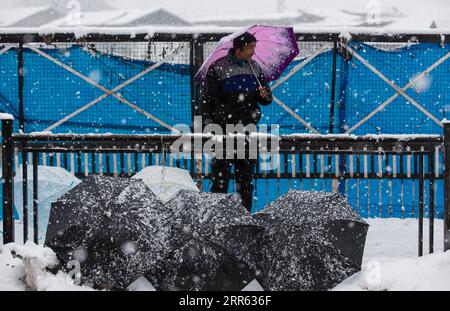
(214, 244)
(312, 241)
(115, 227)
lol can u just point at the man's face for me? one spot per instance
(248, 51)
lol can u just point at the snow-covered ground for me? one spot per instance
(390, 259)
(390, 262)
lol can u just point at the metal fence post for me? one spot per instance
(196, 60)
(7, 174)
(342, 115)
(446, 185)
(333, 88)
(20, 85)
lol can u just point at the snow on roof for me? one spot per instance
(130, 16)
(204, 19)
(106, 18)
(332, 16)
(92, 18)
(308, 18)
(11, 16)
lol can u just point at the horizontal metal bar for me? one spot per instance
(156, 149)
(400, 139)
(211, 37)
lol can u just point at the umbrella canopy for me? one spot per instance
(312, 241)
(53, 183)
(275, 49)
(115, 227)
(214, 244)
(165, 181)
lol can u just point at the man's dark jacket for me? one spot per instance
(230, 92)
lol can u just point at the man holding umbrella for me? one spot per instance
(233, 89)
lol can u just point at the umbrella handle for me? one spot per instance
(260, 85)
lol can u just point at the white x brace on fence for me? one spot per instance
(109, 92)
(395, 87)
(289, 75)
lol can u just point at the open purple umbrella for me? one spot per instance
(275, 49)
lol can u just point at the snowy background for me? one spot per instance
(390, 13)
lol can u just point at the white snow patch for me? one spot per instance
(428, 273)
(24, 267)
(141, 284)
(6, 116)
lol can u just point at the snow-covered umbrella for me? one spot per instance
(214, 244)
(312, 241)
(275, 49)
(115, 227)
(165, 181)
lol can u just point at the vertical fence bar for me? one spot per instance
(72, 161)
(196, 60)
(335, 184)
(25, 192)
(129, 162)
(333, 87)
(52, 159)
(16, 159)
(86, 162)
(93, 164)
(431, 205)
(122, 164)
(358, 175)
(44, 159)
(380, 180)
(136, 160)
(79, 168)
(446, 172)
(35, 197)
(107, 162)
(100, 161)
(8, 182)
(143, 158)
(322, 169)
(20, 85)
(421, 190)
(65, 160)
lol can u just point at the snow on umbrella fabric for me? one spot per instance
(115, 227)
(165, 181)
(214, 244)
(275, 49)
(53, 183)
(312, 241)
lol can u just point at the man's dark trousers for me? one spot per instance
(243, 168)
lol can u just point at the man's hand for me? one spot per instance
(263, 92)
